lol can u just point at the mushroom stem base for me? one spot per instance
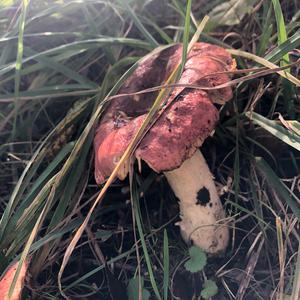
(201, 211)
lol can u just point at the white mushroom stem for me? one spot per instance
(201, 211)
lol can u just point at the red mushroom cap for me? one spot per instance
(180, 130)
(7, 280)
(189, 118)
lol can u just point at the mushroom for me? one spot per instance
(171, 144)
(7, 279)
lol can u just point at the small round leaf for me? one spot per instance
(197, 260)
(210, 289)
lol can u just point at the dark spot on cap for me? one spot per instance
(210, 204)
(203, 196)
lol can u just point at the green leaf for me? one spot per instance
(133, 289)
(287, 136)
(231, 12)
(210, 289)
(197, 260)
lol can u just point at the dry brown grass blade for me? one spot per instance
(249, 271)
(281, 257)
(259, 73)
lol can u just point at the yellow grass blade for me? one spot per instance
(265, 63)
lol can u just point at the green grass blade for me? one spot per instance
(108, 81)
(33, 165)
(21, 211)
(70, 185)
(285, 60)
(135, 203)
(277, 130)
(282, 36)
(51, 91)
(166, 265)
(18, 64)
(257, 205)
(148, 36)
(236, 181)
(94, 271)
(81, 46)
(27, 174)
(281, 50)
(265, 63)
(54, 235)
(32, 236)
(28, 69)
(266, 31)
(296, 284)
(62, 68)
(162, 34)
(186, 36)
(290, 198)
(250, 213)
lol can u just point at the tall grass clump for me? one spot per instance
(60, 63)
